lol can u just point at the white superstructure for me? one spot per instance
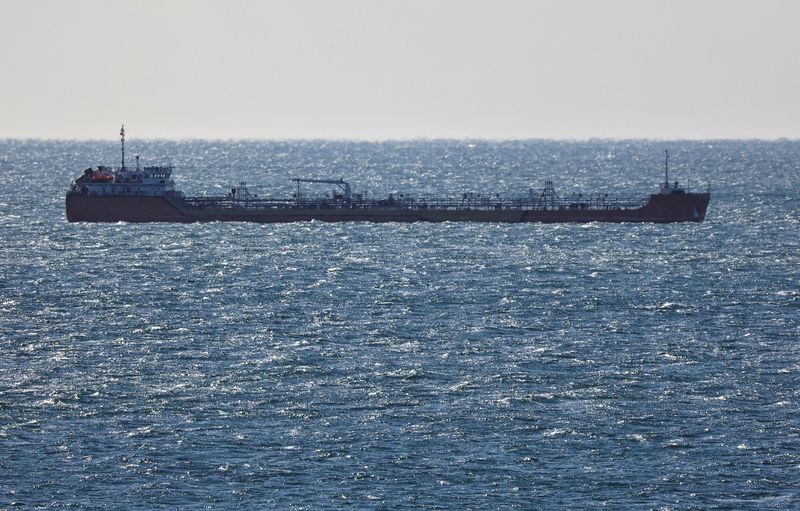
(138, 181)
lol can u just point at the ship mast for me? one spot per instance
(666, 169)
(122, 140)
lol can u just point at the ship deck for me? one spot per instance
(418, 204)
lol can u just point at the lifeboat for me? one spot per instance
(102, 176)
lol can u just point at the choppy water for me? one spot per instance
(448, 366)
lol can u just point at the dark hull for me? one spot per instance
(690, 207)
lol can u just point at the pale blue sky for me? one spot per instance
(400, 69)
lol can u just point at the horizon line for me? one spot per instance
(414, 139)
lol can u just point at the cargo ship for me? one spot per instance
(148, 194)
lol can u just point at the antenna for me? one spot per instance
(122, 140)
(666, 168)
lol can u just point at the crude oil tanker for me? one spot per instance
(148, 194)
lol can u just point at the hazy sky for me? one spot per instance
(371, 69)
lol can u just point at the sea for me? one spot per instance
(449, 366)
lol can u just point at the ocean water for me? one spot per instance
(424, 366)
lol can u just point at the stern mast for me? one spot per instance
(122, 141)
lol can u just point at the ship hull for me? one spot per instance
(689, 207)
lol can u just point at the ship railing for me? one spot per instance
(495, 203)
(149, 168)
(419, 203)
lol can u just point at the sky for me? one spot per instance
(404, 69)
